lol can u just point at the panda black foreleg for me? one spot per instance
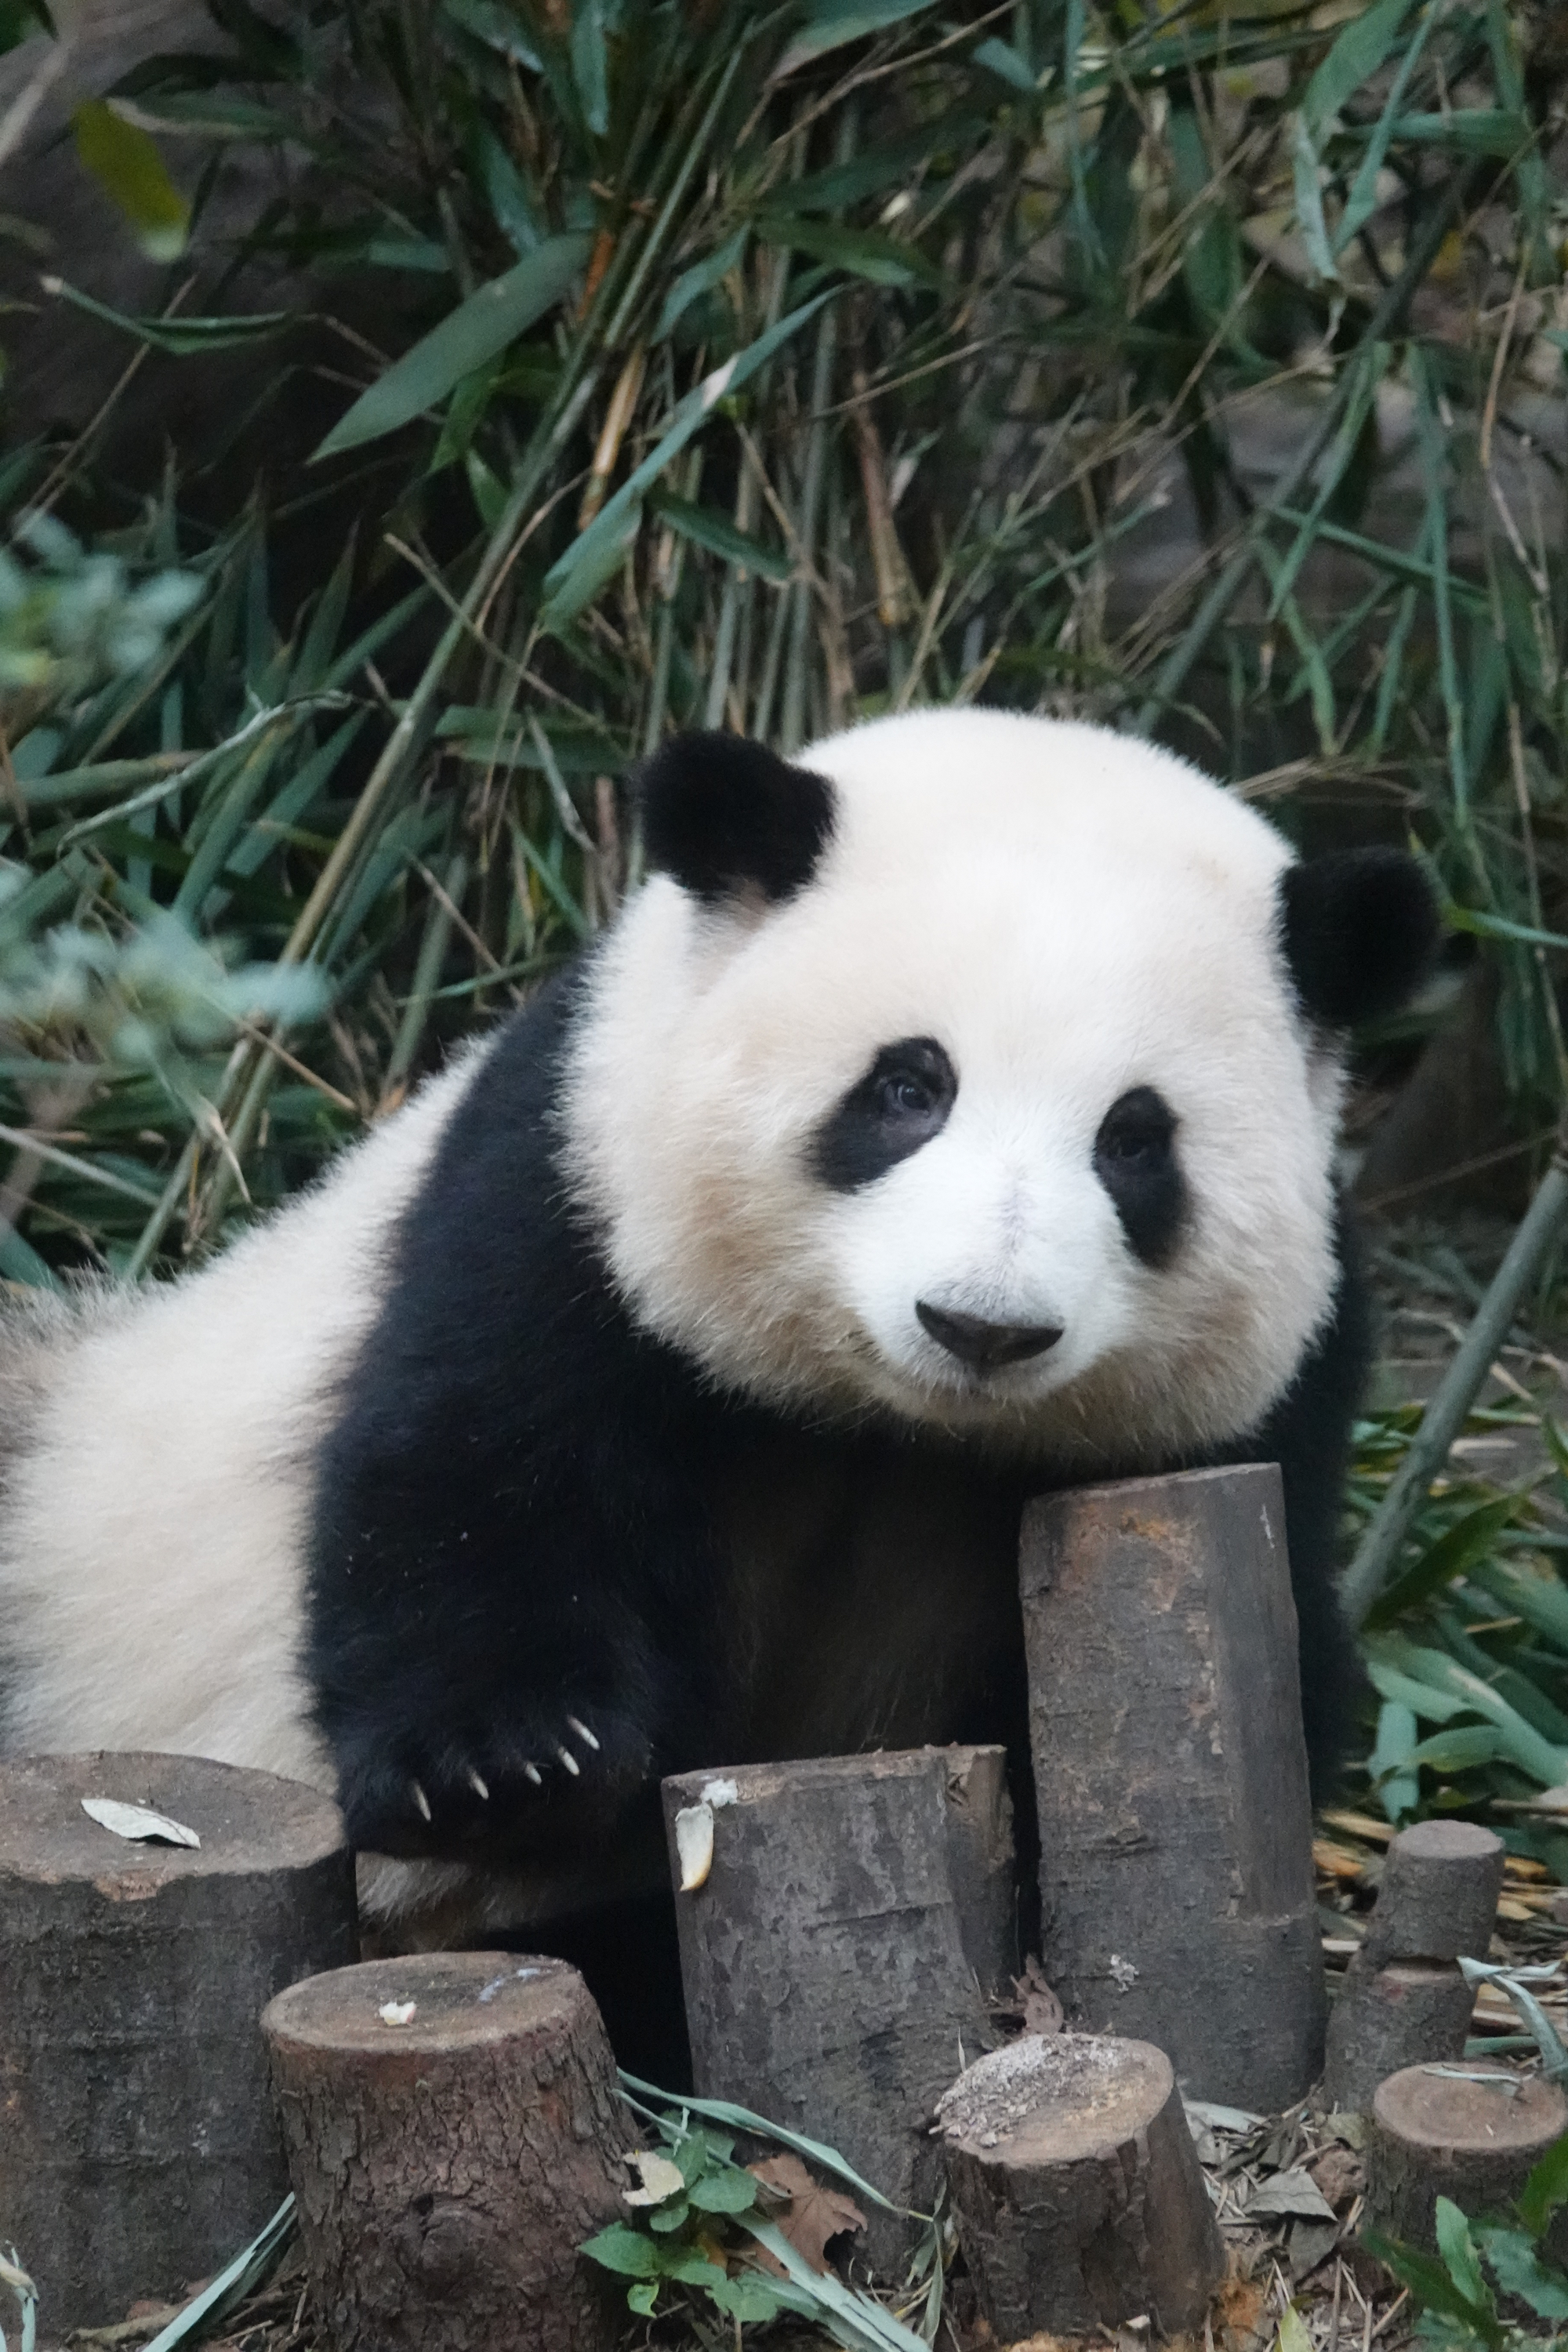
(499, 1674)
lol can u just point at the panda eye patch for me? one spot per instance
(1134, 1159)
(902, 1102)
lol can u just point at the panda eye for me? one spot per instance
(1134, 1160)
(906, 1095)
(902, 1101)
(1136, 1130)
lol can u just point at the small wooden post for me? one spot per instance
(138, 2142)
(1171, 1772)
(1438, 1895)
(1384, 2019)
(826, 1985)
(1404, 2000)
(454, 2134)
(1079, 2198)
(1473, 2135)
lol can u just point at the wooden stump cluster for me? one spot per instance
(1404, 1999)
(454, 2134)
(138, 2145)
(1176, 1881)
(452, 2123)
(1079, 2198)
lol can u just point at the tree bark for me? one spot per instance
(1171, 1772)
(1474, 2138)
(1079, 2198)
(454, 2134)
(979, 1864)
(1388, 2018)
(138, 2144)
(827, 1984)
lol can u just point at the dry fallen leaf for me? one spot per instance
(694, 1845)
(659, 2177)
(810, 2217)
(1042, 2010)
(137, 1821)
(1341, 2174)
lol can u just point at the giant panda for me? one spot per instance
(951, 1115)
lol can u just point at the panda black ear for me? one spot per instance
(1360, 928)
(724, 816)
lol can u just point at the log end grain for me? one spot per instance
(132, 1975)
(1079, 2198)
(1473, 2136)
(454, 2134)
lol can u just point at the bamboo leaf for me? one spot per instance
(699, 278)
(179, 336)
(474, 332)
(708, 527)
(1358, 51)
(1469, 1539)
(833, 22)
(881, 260)
(124, 160)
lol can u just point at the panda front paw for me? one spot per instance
(474, 1795)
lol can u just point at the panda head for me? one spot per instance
(982, 1070)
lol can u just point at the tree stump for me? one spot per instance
(1438, 1897)
(979, 1864)
(1388, 2018)
(454, 2134)
(1079, 2198)
(138, 2144)
(826, 1985)
(1169, 1767)
(1473, 2136)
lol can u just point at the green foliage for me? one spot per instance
(1458, 2292)
(1467, 1650)
(676, 2245)
(763, 367)
(700, 2228)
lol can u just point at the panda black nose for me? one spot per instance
(986, 1346)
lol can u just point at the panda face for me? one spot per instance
(999, 1113)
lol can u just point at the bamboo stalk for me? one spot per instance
(1379, 1549)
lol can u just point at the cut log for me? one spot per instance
(826, 1980)
(138, 2142)
(981, 1867)
(454, 2134)
(1079, 2198)
(1384, 2019)
(1176, 1830)
(1438, 1897)
(1472, 2133)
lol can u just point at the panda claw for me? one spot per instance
(477, 1784)
(569, 1760)
(582, 1733)
(420, 1799)
(535, 1775)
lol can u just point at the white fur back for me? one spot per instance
(152, 1537)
